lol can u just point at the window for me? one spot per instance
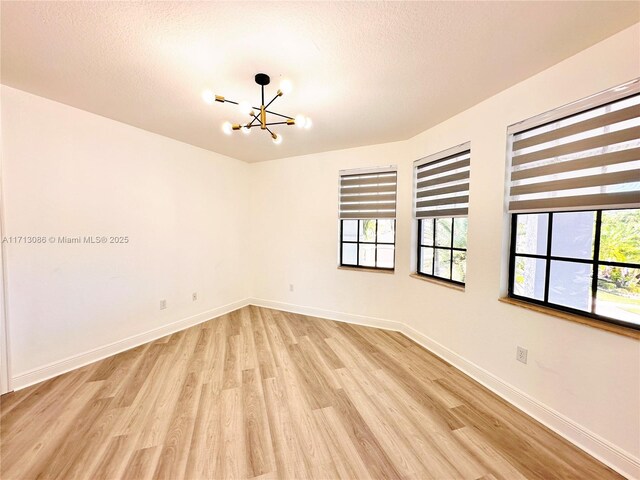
(368, 243)
(367, 218)
(442, 248)
(584, 262)
(441, 203)
(575, 198)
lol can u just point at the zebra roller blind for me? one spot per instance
(586, 160)
(368, 193)
(442, 183)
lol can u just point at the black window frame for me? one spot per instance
(595, 262)
(451, 249)
(358, 242)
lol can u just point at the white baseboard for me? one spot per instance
(596, 446)
(328, 314)
(54, 369)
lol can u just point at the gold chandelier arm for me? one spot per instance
(288, 122)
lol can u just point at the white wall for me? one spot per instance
(69, 173)
(585, 374)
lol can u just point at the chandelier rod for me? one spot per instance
(255, 117)
(278, 123)
(267, 105)
(279, 115)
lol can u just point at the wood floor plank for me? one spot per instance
(448, 458)
(10, 400)
(232, 363)
(263, 394)
(402, 373)
(391, 439)
(424, 443)
(68, 448)
(378, 463)
(133, 385)
(329, 357)
(314, 384)
(287, 451)
(176, 444)
(45, 402)
(485, 410)
(316, 454)
(248, 355)
(39, 444)
(114, 459)
(316, 353)
(495, 463)
(114, 377)
(233, 464)
(350, 355)
(156, 419)
(206, 440)
(259, 453)
(345, 456)
(141, 464)
(93, 446)
(202, 350)
(264, 355)
(214, 371)
(107, 367)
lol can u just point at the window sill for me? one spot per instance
(372, 270)
(602, 325)
(452, 286)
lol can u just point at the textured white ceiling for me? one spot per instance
(366, 72)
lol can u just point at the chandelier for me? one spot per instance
(259, 114)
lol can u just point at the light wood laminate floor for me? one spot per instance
(260, 393)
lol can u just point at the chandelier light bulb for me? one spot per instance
(208, 97)
(307, 123)
(246, 130)
(277, 139)
(245, 108)
(301, 120)
(286, 86)
(227, 128)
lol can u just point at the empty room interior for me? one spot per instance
(320, 240)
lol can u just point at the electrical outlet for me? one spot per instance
(521, 355)
(194, 296)
(163, 304)
(291, 287)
